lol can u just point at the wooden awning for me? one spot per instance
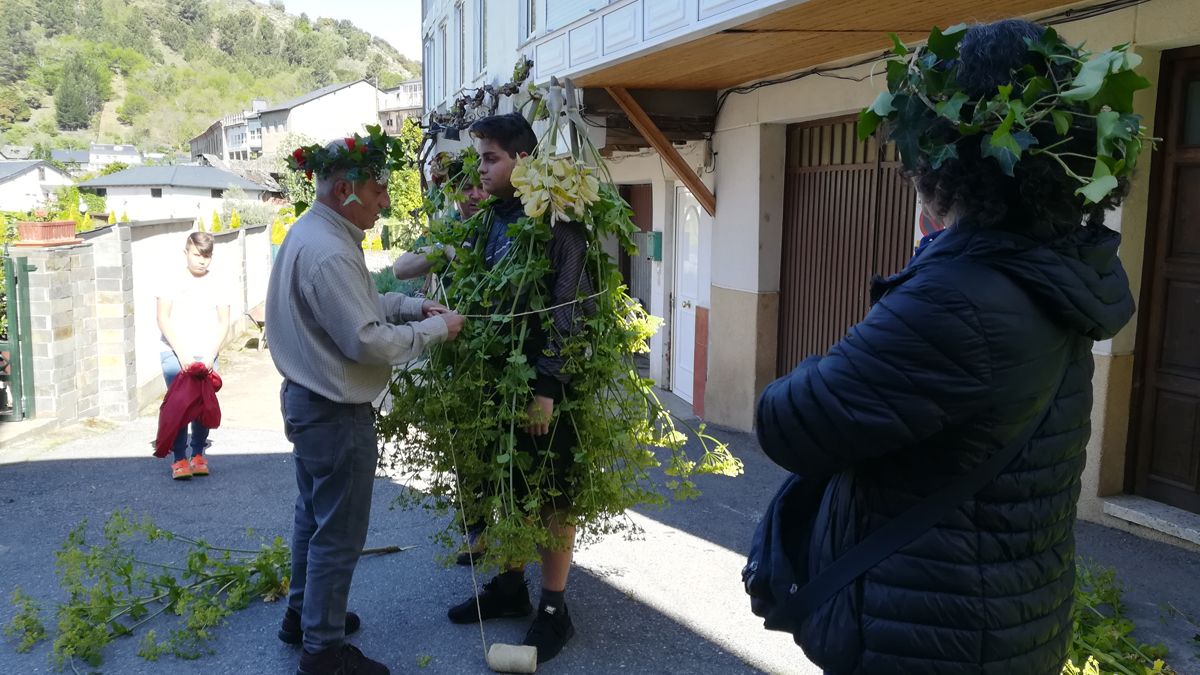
(798, 37)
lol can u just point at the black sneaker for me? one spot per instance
(343, 660)
(290, 632)
(551, 629)
(495, 602)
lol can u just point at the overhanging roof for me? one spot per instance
(796, 37)
(206, 177)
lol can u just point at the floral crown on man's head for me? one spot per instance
(1064, 88)
(373, 156)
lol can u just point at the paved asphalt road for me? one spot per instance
(670, 602)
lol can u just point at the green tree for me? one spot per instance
(80, 93)
(376, 66)
(404, 190)
(13, 108)
(235, 220)
(268, 38)
(16, 43)
(216, 225)
(134, 105)
(57, 16)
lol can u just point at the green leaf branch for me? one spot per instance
(1070, 85)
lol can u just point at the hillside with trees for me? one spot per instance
(157, 72)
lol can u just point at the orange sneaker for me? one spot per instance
(199, 465)
(181, 470)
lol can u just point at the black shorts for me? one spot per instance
(557, 448)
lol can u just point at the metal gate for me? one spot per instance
(16, 352)
(848, 214)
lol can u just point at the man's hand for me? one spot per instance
(430, 308)
(454, 323)
(541, 409)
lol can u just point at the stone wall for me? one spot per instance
(93, 312)
(62, 294)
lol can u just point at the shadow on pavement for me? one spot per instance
(401, 597)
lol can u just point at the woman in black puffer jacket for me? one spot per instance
(990, 324)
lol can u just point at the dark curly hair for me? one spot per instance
(1039, 200)
(511, 132)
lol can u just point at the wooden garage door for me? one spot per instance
(1166, 401)
(848, 215)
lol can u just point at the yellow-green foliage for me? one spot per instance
(235, 220)
(216, 224)
(282, 223)
(112, 217)
(124, 217)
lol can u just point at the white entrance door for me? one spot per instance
(687, 293)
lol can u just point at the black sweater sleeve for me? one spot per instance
(569, 282)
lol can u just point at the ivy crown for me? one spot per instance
(373, 156)
(1050, 96)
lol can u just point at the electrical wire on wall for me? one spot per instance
(1055, 19)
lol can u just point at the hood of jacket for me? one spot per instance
(1077, 278)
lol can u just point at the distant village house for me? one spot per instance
(162, 192)
(27, 184)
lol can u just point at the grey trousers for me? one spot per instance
(335, 452)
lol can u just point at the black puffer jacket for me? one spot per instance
(963, 348)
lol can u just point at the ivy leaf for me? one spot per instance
(1091, 77)
(1035, 88)
(945, 43)
(1097, 189)
(301, 207)
(1117, 91)
(897, 71)
(868, 122)
(1109, 131)
(883, 104)
(1004, 92)
(1005, 126)
(1047, 45)
(938, 155)
(898, 47)
(1004, 150)
(952, 109)
(911, 126)
(1062, 121)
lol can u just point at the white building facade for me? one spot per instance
(779, 268)
(170, 192)
(323, 115)
(27, 184)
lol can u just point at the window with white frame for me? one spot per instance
(460, 35)
(443, 71)
(480, 36)
(427, 79)
(529, 15)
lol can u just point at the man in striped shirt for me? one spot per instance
(335, 339)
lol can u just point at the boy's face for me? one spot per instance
(197, 264)
(495, 167)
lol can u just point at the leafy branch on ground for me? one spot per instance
(1103, 641)
(112, 591)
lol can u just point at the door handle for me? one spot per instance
(687, 304)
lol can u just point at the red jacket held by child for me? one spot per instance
(192, 396)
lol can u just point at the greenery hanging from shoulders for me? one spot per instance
(452, 428)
